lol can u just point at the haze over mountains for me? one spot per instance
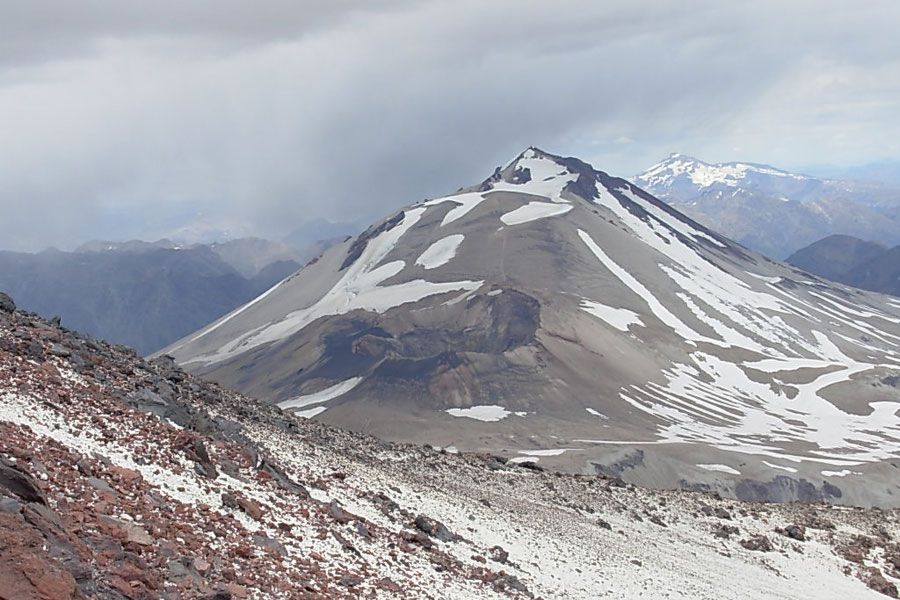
(772, 211)
(852, 261)
(145, 294)
(556, 313)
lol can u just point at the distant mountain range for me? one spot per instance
(884, 171)
(145, 294)
(853, 261)
(773, 211)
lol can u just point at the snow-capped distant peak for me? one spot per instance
(683, 169)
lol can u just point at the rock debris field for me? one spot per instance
(126, 479)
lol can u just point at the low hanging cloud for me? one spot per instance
(135, 119)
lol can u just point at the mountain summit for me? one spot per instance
(555, 313)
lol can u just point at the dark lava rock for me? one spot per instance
(726, 531)
(35, 350)
(657, 520)
(434, 528)
(531, 466)
(794, 531)
(785, 489)
(758, 543)
(877, 581)
(498, 554)
(10, 505)
(417, 537)
(338, 513)
(20, 483)
(615, 469)
(60, 351)
(229, 500)
(6, 303)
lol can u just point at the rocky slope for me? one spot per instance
(772, 211)
(852, 261)
(558, 314)
(145, 295)
(126, 479)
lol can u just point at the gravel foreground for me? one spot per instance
(126, 479)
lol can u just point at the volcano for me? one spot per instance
(561, 316)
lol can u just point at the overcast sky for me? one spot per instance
(124, 119)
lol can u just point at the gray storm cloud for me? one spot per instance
(121, 119)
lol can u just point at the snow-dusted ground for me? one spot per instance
(579, 538)
(511, 531)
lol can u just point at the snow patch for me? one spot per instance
(554, 452)
(329, 393)
(620, 318)
(311, 412)
(779, 467)
(842, 473)
(466, 203)
(440, 252)
(596, 413)
(719, 468)
(485, 412)
(534, 211)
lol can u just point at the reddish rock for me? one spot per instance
(26, 572)
(388, 585)
(877, 581)
(252, 508)
(123, 587)
(124, 475)
(202, 566)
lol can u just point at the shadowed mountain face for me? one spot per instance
(853, 261)
(138, 294)
(557, 313)
(836, 256)
(772, 211)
